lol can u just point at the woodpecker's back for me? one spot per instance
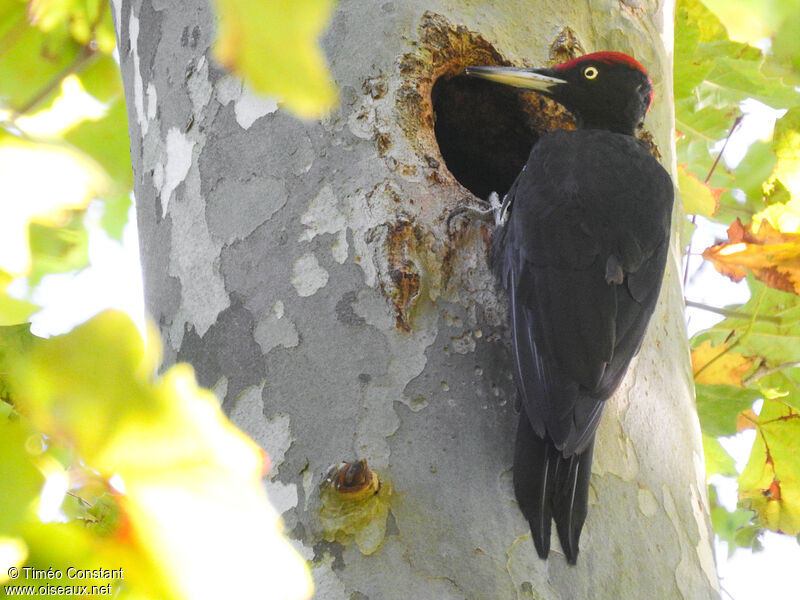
(581, 254)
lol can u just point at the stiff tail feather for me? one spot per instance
(549, 486)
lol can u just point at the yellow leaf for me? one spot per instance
(772, 256)
(698, 198)
(273, 46)
(713, 365)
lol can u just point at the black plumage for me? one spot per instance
(581, 251)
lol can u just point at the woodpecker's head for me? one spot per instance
(604, 90)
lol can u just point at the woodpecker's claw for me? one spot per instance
(493, 208)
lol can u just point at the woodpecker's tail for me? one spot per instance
(549, 486)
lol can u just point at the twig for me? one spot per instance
(736, 123)
(763, 371)
(81, 59)
(733, 313)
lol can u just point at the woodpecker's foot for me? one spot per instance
(489, 208)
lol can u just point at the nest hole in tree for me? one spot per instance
(485, 131)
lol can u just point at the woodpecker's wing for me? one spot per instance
(582, 256)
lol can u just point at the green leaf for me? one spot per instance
(58, 249)
(15, 341)
(718, 461)
(770, 483)
(106, 141)
(20, 481)
(185, 468)
(755, 168)
(273, 46)
(783, 385)
(786, 145)
(30, 60)
(751, 20)
(698, 197)
(785, 57)
(718, 407)
(772, 328)
(729, 525)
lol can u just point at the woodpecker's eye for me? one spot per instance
(590, 72)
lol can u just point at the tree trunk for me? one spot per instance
(307, 271)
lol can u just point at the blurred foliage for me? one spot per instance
(137, 481)
(725, 53)
(273, 45)
(62, 134)
(103, 465)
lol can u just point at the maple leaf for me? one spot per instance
(717, 365)
(772, 256)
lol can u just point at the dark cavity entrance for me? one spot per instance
(485, 132)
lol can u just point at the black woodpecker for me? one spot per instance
(580, 247)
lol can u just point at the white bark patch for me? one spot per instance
(276, 330)
(199, 87)
(228, 89)
(179, 160)
(281, 496)
(686, 567)
(274, 436)
(615, 452)
(648, 503)
(117, 6)
(152, 101)
(308, 277)
(194, 262)
(158, 176)
(362, 218)
(704, 546)
(138, 84)
(327, 583)
(322, 216)
(248, 105)
(340, 249)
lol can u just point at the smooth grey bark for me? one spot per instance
(305, 270)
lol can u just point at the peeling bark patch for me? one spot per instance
(276, 330)
(322, 216)
(648, 503)
(308, 277)
(179, 160)
(273, 435)
(403, 284)
(138, 83)
(704, 545)
(198, 85)
(248, 106)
